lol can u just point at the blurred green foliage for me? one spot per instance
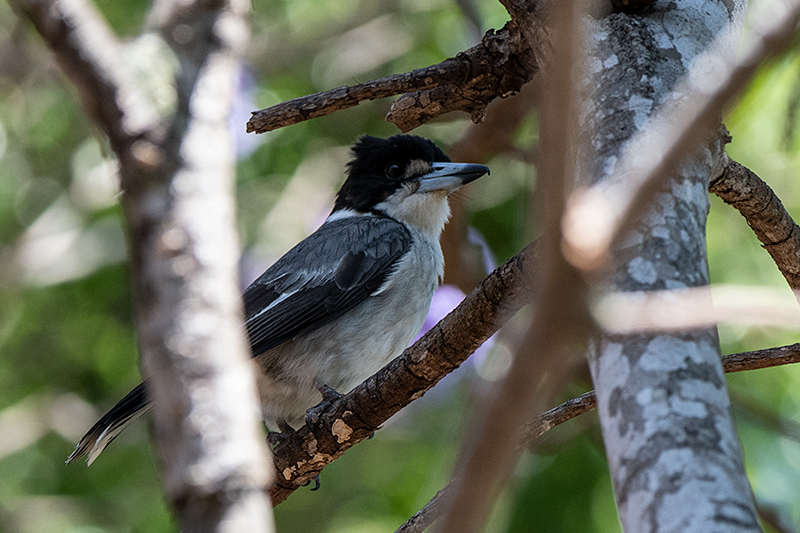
(66, 331)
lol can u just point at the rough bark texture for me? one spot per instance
(189, 309)
(674, 456)
(760, 206)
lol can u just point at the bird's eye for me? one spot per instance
(393, 171)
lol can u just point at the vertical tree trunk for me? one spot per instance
(673, 451)
(185, 258)
(176, 168)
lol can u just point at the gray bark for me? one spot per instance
(177, 172)
(674, 456)
(186, 253)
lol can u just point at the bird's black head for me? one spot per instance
(404, 177)
(380, 166)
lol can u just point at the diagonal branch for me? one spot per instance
(452, 71)
(560, 319)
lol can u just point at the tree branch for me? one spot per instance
(498, 66)
(185, 259)
(740, 188)
(649, 233)
(586, 402)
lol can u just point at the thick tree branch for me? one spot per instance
(651, 153)
(185, 263)
(760, 206)
(497, 67)
(586, 402)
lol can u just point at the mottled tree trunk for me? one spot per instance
(674, 456)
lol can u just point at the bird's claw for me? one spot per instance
(276, 437)
(329, 396)
(315, 479)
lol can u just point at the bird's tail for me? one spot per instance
(112, 423)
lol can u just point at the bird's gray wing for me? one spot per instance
(325, 275)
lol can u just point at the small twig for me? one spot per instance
(586, 402)
(739, 187)
(429, 513)
(758, 359)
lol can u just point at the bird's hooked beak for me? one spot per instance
(450, 176)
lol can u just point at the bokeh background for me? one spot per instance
(67, 342)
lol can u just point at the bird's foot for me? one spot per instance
(315, 479)
(274, 438)
(328, 397)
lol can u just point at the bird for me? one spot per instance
(348, 298)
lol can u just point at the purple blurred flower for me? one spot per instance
(445, 299)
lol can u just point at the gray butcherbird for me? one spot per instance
(351, 296)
